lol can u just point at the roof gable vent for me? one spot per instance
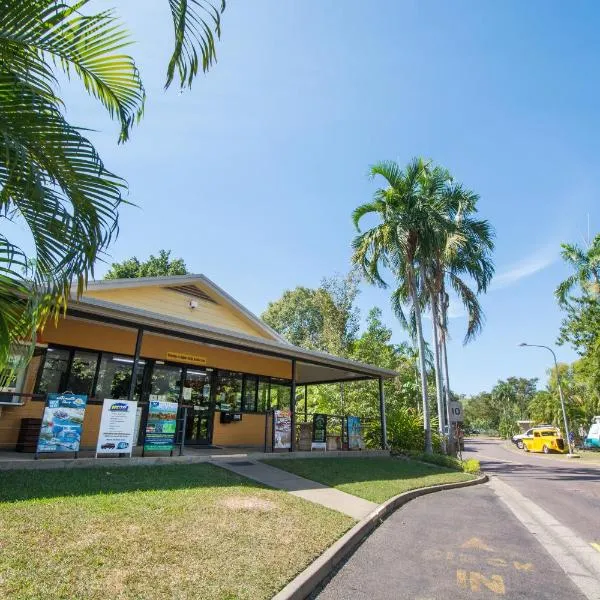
(191, 291)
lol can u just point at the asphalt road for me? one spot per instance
(456, 544)
(569, 490)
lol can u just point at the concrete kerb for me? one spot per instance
(307, 581)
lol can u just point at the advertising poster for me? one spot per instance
(319, 428)
(354, 434)
(161, 425)
(282, 429)
(62, 423)
(117, 426)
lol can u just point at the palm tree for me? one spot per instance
(53, 183)
(407, 229)
(586, 264)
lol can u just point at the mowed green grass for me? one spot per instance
(375, 479)
(176, 531)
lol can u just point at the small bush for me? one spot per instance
(471, 465)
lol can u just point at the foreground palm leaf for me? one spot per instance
(53, 184)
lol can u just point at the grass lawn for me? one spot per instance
(375, 479)
(177, 532)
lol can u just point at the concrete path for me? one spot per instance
(318, 493)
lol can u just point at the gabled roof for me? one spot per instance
(219, 294)
(313, 366)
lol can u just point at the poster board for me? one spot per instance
(282, 429)
(117, 427)
(319, 428)
(62, 422)
(355, 441)
(161, 426)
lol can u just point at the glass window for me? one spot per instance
(281, 392)
(263, 395)
(229, 391)
(54, 373)
(166, 382)
(196, 388)
(114, 377)
(83, 370)
(250, 382)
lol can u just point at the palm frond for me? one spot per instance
(197, 26)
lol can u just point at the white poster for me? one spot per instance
(117, 426)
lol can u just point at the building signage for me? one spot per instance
(282, 429)
(62, 423)
(186, 358)
(161, 425)
(355, 441)
(117, 427)
(319, 428)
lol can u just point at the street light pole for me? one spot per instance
(560, 392)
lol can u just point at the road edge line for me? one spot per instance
(561, 543)
(307, 581)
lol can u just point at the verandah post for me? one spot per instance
(293, 406)
(384, 442)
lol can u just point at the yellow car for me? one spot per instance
(545, 440)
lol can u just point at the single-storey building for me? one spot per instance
(180, 339)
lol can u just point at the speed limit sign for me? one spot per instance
(456, 414)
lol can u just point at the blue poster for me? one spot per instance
(161, 425)
(354, 434)
(62, 423)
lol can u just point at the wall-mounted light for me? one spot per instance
(193, 304)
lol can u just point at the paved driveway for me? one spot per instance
(456, 544)
(567, 488)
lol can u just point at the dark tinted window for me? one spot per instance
(53, 378)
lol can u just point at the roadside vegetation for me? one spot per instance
(180, 531)
(374, 479)
(518, 398)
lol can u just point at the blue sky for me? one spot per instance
(252, 175)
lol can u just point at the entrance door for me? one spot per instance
(196, 395)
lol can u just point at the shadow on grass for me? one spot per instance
(334, 472)
(18, 485)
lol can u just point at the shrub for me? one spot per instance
(471, 465)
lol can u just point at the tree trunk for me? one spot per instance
(444, 330)
(438, 373)
(421, 343)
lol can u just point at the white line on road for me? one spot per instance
(580, 562)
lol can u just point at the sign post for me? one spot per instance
(282, 429)
(117, 426)
(161, 426)
(62, 422)
(456, 414)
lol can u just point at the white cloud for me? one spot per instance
(524, 268)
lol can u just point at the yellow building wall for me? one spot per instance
(250, 431)
(170, 303)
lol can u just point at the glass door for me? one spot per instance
(196, 396)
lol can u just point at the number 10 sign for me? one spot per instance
(455, 412)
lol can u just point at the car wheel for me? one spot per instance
(546, 450)
(525, 447)
(520, 444)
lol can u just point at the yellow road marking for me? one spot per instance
(519, 566)
(476, 543)
(476, 580)
(595, 546)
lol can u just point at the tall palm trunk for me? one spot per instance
(421, 343)
(437, 367)
(444, 363)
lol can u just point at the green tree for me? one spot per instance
(318, 319)
(403, 240)
(586, 264)
(155, 266)
(53, 183)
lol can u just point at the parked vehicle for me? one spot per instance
(592, 439)
(545, 440)
(107, 446)
(520, 437)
